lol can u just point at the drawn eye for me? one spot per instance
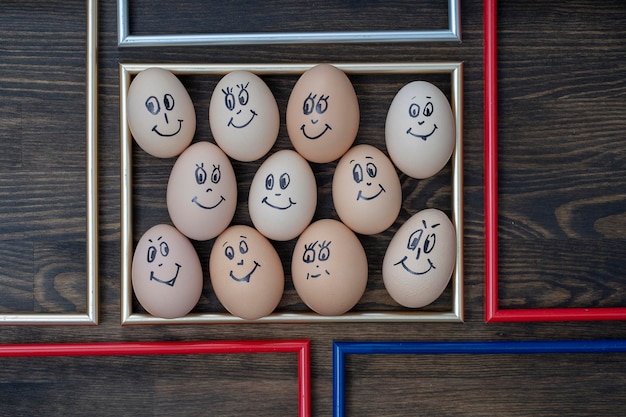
(200, 174)
(243, 96)
(284, 181)
(429, 243)
(309, 255)
(165, 249)
(216, 174)
(414, 110)
(152, 252)
(371, 169)
(357, 173)
(428, 109)
(168, 102)
(229, 99)
(322, 104)
(243, 247)
(324, 253)
(153, 106)
(229, 252)
(269, 182)
(309, 104)
(414, 239)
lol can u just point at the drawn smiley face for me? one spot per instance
(244, 116)
(316, 255)
(420, 244)
(202, 191)
(366, 190)
(243, 268)
(161, 115)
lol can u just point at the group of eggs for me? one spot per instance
(329, 265)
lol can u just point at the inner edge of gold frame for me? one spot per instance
(456, 314)
(91, 134)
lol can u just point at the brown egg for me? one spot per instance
(161, 116)
(329, 267)
(166, 272)
(420, 259)
(366, 190)
(322, 114)
(246, 272)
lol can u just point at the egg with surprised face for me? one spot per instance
(161, 115)
(202, 191)
(420, 130)
(283, 196)
(329, 267)
(420, 259)
(246, 273)
(322, 114)
(243, 116)
(166, 272)
(367, 194)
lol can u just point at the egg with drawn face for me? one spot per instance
(366, 191)
(283, 196)
(166, 272)
(202, 191)
(243, 116)
(329, 267)
(420, 130)
(161, 115)
(322, 114)
(420, 259)
(246, 272)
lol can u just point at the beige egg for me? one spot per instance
(329, 267)
(244, 116)
(283, 196)
(367, 194)
(322, 114)
(161, 116)
(246, 273)
(420, 259)
(166, 272)
(420, 130)
(202, 191)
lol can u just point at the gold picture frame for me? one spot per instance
(455, 313)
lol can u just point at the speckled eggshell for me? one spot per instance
(420, 130)
(329, 267)
(202, 191)
(166, 273)
(161, 115)
(244, 116)
(367, 194)
(322, 114)
(420, 259)
(246, 272)
(283, 196)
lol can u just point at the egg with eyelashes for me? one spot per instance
(243, 116)
(283, 196)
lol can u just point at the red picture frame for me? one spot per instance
(301, 347)
(492, 311)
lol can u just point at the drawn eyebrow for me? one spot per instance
(160, 237)
(352, 160)
(369, 157)
(245, 237)
(225, 243)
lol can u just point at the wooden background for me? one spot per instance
(562, 232)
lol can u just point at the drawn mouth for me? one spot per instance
(291, 203)
(313, 276)
(230, 122)
(423, 137)
(195, 200)
(410, 271)
(169, 282)
(360, 196)
(326, 128)
(245, 278)
(167, 135)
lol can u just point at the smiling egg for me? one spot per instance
(420, 130)
(329, 267)
(322, 114)
(420, 259)
(243, 116)
(283, 196)
(161, 115)
(166, 272)
(202, 191)
(246, 272)
(367, 194)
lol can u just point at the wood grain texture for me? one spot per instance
(562, 118)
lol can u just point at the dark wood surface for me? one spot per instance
(562, 225)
